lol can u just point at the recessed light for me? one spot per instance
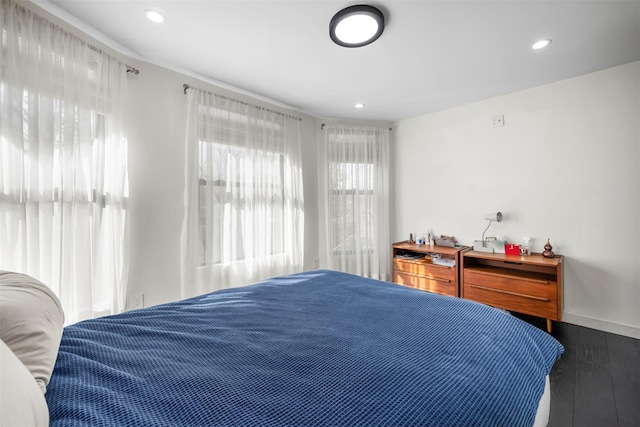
(541, 44)
(154, 15)
(359, 105)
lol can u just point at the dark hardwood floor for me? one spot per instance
(596, 382)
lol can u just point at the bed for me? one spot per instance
(318, 348)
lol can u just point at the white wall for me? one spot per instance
(565, 166)
(156, 120)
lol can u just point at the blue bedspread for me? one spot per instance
(318, 348)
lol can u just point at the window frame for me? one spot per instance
(220, 114)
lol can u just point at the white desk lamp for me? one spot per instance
(496, 216)
(481, 246)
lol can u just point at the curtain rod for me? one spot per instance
(185, 87)
(323, 125)
(130, 69)
(94, 48)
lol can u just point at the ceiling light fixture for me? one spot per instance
(356, 26)
(154, 15)
(359, 105)
(541, 44)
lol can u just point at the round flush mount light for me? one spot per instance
(154, 16)
(540, 44)
(356, 26)
(359, 105)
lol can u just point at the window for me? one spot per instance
(63, 164)
(355, 179)
(244, 218)
(352, 207)
(221, 192)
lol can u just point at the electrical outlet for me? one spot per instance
(316, 263)
(497, 121)
(136, 301)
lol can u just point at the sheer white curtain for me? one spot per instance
(354, 193)
(244, 218)
(63, 160)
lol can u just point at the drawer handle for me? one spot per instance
(511, 293)
(437, 279)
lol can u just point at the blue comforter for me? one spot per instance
(318, 348)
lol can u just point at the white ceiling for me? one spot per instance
(433, 55)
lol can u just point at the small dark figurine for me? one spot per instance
(548, 253)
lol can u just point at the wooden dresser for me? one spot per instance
(414, 266)
(525, 284)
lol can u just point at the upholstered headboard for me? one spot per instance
(31, 321)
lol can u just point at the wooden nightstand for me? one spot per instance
(413, 267)
(525, 284)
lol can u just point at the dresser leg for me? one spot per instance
(549, 325)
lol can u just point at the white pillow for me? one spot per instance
(21, 401)
(31, 321)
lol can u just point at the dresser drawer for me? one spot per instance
(430, 284)
(530, 295)
(425, 269)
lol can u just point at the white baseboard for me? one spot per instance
(602, 325)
